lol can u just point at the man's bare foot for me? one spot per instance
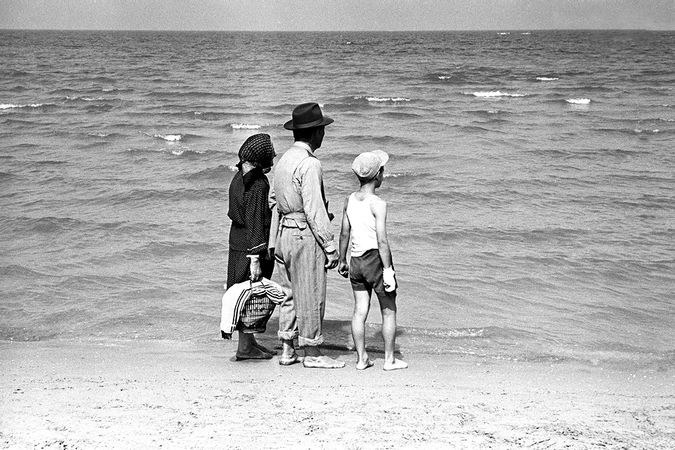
(322, 362)
(364, 365)
(397, 364)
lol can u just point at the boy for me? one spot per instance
(370, 269)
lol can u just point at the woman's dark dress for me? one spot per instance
(251, 217)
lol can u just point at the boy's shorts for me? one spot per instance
(365, 273)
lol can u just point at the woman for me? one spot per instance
(249, 210)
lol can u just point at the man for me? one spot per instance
(305, 246)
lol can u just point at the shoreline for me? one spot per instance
(170, 394)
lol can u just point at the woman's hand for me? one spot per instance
(256, 271)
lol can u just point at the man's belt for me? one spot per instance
(294, 220)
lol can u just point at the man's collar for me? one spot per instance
(304, 145)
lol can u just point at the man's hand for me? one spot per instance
(343, 269)
(332, 259)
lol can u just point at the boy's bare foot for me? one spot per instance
(397, 364)
(364, 365)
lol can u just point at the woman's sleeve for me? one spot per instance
(257, 211)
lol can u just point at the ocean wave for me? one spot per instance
(165, 95)
(347, 102)
(42, 225)
(167, 137)
(101, 134)
(212, 173)
(85, 99)
(451, 79)
(386, 140)
(386, 99)
(646, 131)
(487, 113)
(167, 249)
(48, 162)
(244, 126)
(406, 174)
(493, 94)
(578, 101)
(5, 106)
(399, 115)
(13, 73)
(143, 196)
(476, 129)
(176, 149)
(183, 151)
(116, 89)
(547, 78)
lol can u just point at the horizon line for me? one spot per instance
(504, 30)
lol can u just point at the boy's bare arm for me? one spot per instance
(379, 209)
(343, 267)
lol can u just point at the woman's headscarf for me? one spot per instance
(258, 149)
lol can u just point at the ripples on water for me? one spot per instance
(530, 188)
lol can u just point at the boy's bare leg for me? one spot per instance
(361, 308)
(388, 308)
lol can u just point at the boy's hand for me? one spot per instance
(389, 279)
(343, 269)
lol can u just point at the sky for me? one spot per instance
(336, 15)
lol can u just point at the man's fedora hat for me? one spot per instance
(307, 115)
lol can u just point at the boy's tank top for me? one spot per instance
(362, 222)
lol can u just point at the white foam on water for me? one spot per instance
(12, 106)
(494, 94)
(547, 78)
(244, 126)
(578, 101)
(640, 131)
(387, 99)
(169, 137)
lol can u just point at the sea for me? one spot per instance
(530, 188)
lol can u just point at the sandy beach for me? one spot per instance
(164, 394)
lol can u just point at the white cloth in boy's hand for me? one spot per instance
(389, 279)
